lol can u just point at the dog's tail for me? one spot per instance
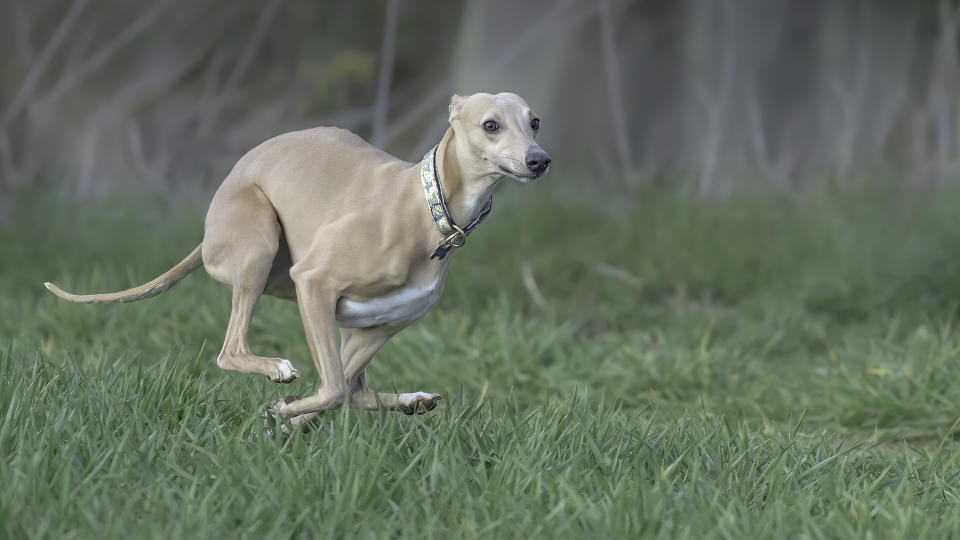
(163, 282)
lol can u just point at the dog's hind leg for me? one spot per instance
(241, 239)
(236, 354)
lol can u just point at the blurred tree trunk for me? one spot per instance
(614, 85)
(13, 174)
(387, 53)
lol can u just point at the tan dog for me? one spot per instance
(344, 228)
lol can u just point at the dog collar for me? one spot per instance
(453, 236)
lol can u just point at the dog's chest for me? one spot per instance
(399, 308)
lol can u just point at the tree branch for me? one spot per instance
(269, 11)
(33, 76)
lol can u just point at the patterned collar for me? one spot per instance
(453, 236)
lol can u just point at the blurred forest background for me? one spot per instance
(731, 311)
(99, 97)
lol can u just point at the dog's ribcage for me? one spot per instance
(399, 308)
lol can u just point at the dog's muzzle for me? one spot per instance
(537, 161)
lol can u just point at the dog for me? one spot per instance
(359, 238)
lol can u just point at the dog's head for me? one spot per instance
(498, 131)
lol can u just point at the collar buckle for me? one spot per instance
(456, 239)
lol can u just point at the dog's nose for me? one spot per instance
(538, 161)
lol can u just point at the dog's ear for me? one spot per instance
(456, 102)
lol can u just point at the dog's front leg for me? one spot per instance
(318, 311)
(359, 346)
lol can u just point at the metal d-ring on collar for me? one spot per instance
(453, 236)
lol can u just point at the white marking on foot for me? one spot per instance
(47, 284)
(412, 397)
(416, 402)
(285, 370)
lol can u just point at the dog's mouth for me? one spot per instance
(522, 177)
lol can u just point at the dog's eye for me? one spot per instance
(535, 124)
(491, 127)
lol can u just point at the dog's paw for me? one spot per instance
(286, 373)
(274, 409)
(417, 402)
(302, 422)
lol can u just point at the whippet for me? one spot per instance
(356, 236)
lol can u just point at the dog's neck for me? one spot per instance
(465, 188)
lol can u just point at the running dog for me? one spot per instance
(360, 239)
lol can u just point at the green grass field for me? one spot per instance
(756, 367)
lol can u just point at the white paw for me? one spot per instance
(411, 397)
(417, 402)
(286, 372)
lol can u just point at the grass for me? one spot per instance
(733, 369)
